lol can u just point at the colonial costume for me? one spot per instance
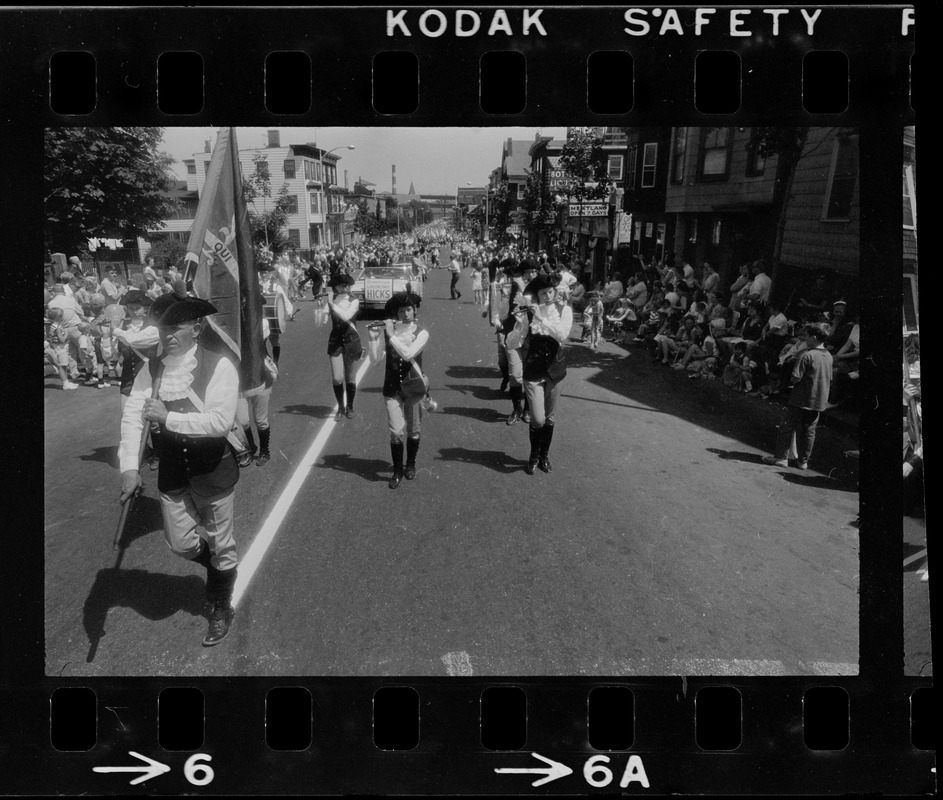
(195, 406)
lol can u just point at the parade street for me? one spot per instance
(660, 544)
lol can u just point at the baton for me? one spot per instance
(126, 506)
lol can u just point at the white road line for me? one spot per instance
(250, 562)
(457, 664)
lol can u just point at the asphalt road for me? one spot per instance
(660, 544)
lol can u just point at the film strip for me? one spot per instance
(413, 671)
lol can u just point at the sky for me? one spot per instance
(435, 160)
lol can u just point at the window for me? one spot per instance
(678, 147)
(842, 179)
(662, 229)
(290, 168)
(520, 191)
(715, 232)
(715, 153)
(756, 163)
(910, 200)
(649, 159)
(312, 171)
(630, 168)
(614, 137)
(910, 302)
(315, 202)
(615, 167)
(191, 167)
(294, 237)
(692, 230)
(292, 204)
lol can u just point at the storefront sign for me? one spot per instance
(588, 209)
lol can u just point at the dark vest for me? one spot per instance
(204, 463)
(396, 368)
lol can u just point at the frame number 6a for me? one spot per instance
(599, 775)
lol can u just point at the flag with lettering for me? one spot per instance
(221, 262)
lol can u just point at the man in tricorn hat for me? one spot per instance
(197, 391)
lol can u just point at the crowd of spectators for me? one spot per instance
(740, 335)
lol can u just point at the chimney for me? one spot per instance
(394, 179)
(273, 139)
(206, 146)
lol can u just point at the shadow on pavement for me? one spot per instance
(472, 373)
(476, 390)
(103, 455)
(735, 455)
(309, 411)
(493, 459)
(838, 482)
(144, 518)
(629, 372)
(370, 469)
(481, 414)
(152, 595)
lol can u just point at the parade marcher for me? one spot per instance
(134, 337)
(405, 340)
(194, 407)
(254, 407)
(343, 344)
(549, 322)
(511, 337)
(455, 268)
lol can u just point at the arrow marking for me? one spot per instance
(151, 770)
(551, 772)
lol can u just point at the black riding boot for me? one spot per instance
(412, 447)
(219, 587)
(351, 391)
(276, 352)
(339, 396)
(265, 434)
(536, 436)
(245, 458)
(545, 440)
(396, 451)
(516, 393)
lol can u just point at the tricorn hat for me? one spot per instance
(542, 281)
(190, 309)
(401, 299)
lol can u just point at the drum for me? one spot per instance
(275, 311)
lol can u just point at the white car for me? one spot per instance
(376, 285)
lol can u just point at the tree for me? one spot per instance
(267, 226)
(537, 200)
(501, 207)
(584, 163)
(104, 182)
(166, 251)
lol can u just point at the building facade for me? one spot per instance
(317, 211)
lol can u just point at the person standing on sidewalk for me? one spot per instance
(811, 380)
(197, 393)
(455, 267)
